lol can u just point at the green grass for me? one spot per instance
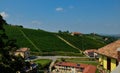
(97, 71)
(14, 33)
(47, 42)
(44, 41)
(84, 42)
(81, 61)
(43, 63)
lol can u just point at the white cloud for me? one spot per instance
(36, 22)
(59, 9)
(4, 14)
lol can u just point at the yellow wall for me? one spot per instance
(101, 59)
(105, 62)
(19, 53)
(113, 64)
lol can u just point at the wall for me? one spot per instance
(101, 59)
(105, 62)
(113, 64)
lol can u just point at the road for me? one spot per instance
(54, 58)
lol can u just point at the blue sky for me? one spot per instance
(86, 16)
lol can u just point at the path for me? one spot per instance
(29, 40)
(68, 43)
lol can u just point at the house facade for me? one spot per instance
(69, 67)
(76, 33)
(91, 53)
(24, 52)
(108, 55)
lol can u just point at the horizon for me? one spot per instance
(85, 16)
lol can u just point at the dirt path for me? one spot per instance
(29, 40)
(68, 43)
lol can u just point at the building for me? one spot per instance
(117, 69)
(91, 53)
(24, 52)
(109, 55)
(76, 33)
(70, 67)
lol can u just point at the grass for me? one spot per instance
(47, 42)
(14, 33)
(44, 41)
(43, 62)
(84, 42)
(81, 60)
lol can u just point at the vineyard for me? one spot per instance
(48, 43)
(84, 42)
(44, 41)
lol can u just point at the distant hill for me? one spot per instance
(43, 41)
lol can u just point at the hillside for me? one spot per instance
(37, 40)
(85, 41)
(46, 42)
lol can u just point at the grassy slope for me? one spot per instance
(43, 62)
(84, 42)
(48, 42)
(14, 33)
(45, 41)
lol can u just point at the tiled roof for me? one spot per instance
(70, 64)
(110, 50)
(91, 50)
(23, 49)
(90, 69)
(87, 68)
(76, 33)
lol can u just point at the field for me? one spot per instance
(80, 60)
(42, 42)
(37, 40)
(84, 42)
(43, 62)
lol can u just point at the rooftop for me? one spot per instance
(110, 50)
(22, 49)
(70, 64)
(87, 68)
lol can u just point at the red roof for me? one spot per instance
(23, 49)
(87, 68)
(70, 64)
(90, 69)
(110, 50)
(91, 50)
(76, 33)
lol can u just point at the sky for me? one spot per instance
(85, 16)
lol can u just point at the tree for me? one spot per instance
(8, 62)
(60, 31)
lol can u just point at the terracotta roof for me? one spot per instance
(91, 50)
(90, 69)
(23, 49)
(76, 33)
(110, 50)
(87, 68)
(70, 64)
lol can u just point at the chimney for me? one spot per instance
(118, 53)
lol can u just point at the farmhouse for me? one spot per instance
(109, 56)
(91, 53)
(76, 33)
(24, 52)
(74, 68)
